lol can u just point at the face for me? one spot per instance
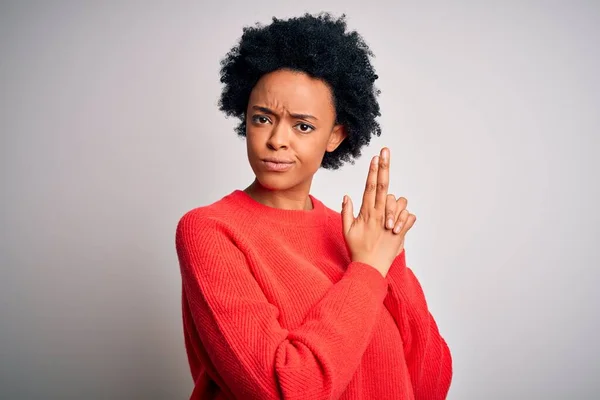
(290, 124)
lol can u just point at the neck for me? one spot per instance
(290, 199)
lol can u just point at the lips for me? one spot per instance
(277, 164)
(278, 160)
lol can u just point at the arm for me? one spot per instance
(427, 354)
(254, 355)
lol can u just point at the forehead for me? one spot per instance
(292, 91)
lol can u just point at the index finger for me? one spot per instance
(368, 201)
(383, 179)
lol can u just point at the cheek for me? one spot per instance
(313, 152)
(252, 142)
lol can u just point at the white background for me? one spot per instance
(110, 132)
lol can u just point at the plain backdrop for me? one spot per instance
(110, 132)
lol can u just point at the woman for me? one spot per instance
(283, 297)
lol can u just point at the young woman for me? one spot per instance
(282, 296)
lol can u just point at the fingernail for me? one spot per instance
(390, 223)
(398, 228)
(376, 160)
(386, 153)
(345, 200)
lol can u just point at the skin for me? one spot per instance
(370, 238)
(291, 116)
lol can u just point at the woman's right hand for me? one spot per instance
(367, 238)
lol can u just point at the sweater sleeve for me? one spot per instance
(253, 354)
(427, 354)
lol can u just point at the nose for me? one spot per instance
(279, 138)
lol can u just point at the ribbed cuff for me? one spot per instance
(368, 276)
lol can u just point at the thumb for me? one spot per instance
(347, 214)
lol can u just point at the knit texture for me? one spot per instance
(273, 308)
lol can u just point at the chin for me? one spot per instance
(274, 181)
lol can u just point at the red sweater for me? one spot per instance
(274, 308)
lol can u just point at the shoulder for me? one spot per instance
(197, 219)
(333, 224)
(205, 221)
(334, 218)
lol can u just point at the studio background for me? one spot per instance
(110, 132)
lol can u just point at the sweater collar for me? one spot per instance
(259, 211)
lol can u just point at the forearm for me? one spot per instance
(427, 354)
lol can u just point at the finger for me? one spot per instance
(368, 201)
(401, 221)
(383, 179)
(347, 214)
(390, 211)
(402, 202)
(400, 205)
(410, 221)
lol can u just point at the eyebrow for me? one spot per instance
(293, 115)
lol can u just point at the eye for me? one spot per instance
(304, 128)
(260, 119)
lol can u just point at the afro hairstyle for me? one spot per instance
(321, 47)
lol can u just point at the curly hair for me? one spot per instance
(321, 47)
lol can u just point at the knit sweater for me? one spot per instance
(274, 308)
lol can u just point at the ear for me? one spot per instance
(337, 136)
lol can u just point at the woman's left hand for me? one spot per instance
(397, 217)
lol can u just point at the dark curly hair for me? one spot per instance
(321, 47)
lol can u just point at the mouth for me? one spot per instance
(277, 164)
